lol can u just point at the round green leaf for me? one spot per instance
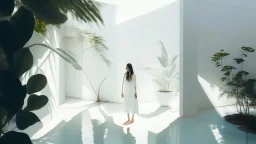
(13, 137)
(12, 92)
(23, 21)
(36, 102)
(6, 7)
(36, 83)
(23, 61)
(8, 40)
(25, 119)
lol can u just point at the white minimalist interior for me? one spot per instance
(193, 29)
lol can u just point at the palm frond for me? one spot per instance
(46, 10)
(85, 10)
(55, 11)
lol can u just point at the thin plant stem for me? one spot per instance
(43, 61)
(101, 84)
(86, 73)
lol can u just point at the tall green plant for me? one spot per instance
(236, 78)
(16, 59)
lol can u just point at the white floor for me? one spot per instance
(81, 122)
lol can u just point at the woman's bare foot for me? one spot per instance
(127, 122)
(131, 122)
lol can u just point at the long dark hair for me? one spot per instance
(129, 74)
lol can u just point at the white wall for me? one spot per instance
(229, 26)
(188, 59)
(77, 84)
(133, 40)
(215, 25)
(136, 43)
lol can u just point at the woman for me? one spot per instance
(129, 94)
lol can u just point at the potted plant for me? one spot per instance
(164, 76)
(238, 86)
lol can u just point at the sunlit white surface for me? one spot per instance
(101, 123)
(213, 93)
(130, 9)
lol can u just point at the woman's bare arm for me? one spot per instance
(123, 85)
(135, 84)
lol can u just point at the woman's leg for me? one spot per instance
(132, 121)
(128, 115)
(128, 121)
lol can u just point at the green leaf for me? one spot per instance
(23, 61)
(40, 26)
(36, 102)
(248, 49)
(94, 11)
(23, 21)
(45, 10)
(227, 73)
(217, 64)
(6, 8)
(230, 83)
(223, 78)
(9, 40)
(219, 56)
(239, 60)
(12, 91)
(25, 119)
(85, 10)
(36, 83)
(227, 68)
(13, 137)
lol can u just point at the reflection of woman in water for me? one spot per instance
(129, 94)
(129, 138)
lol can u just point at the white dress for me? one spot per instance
(130, 103)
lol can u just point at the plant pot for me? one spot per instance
(165, 98)
(246, 123)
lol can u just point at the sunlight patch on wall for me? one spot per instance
(213, 92)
